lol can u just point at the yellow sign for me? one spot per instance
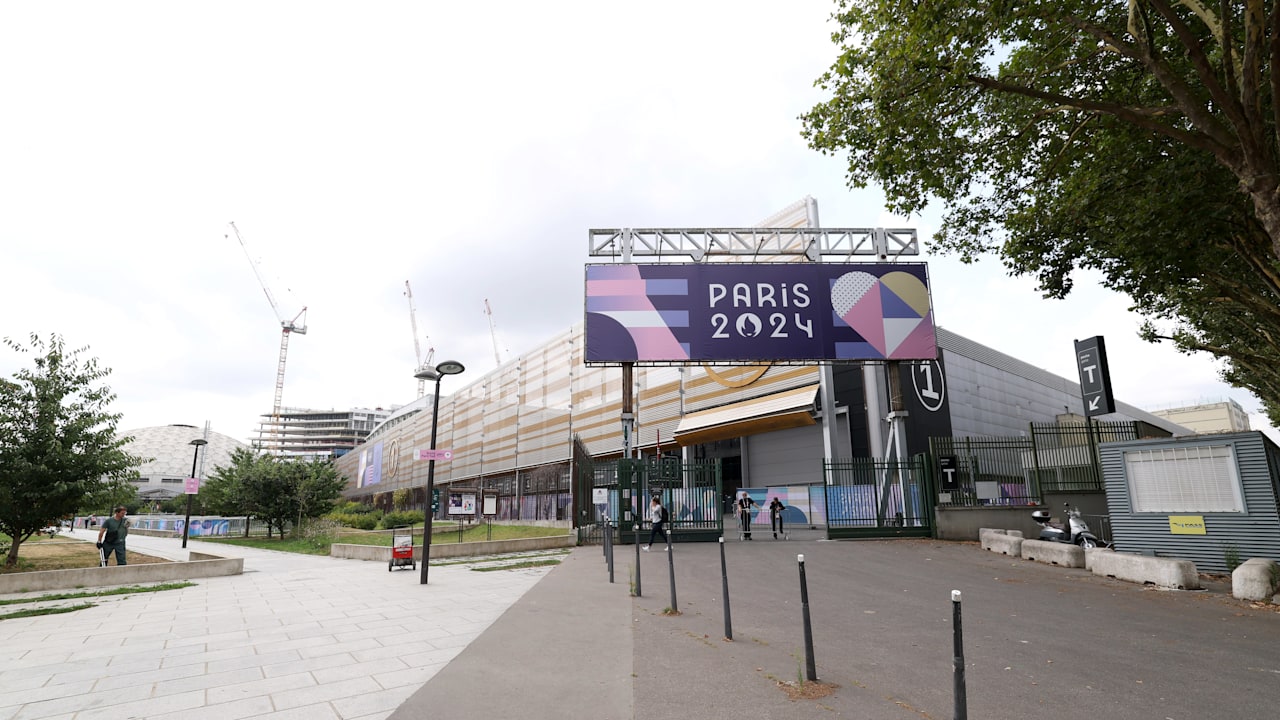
(1186, 524)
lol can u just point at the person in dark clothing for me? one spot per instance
(112, 534)
(745, 503)
(775, 517)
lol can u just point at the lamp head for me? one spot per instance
(198, 442)
(449, 367)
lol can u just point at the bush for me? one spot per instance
(357, 508)
(359, 521)
(401, 517)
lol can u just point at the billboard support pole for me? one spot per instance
(826, 374)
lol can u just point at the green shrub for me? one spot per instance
(359, 521)
(357, 508)
(401, 517)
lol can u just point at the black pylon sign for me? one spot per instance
(1095, 376)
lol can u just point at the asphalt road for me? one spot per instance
(1039, 641)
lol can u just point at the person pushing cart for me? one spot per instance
(744, 505)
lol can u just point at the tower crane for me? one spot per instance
(287, 328)
(417, 348)
(493, 332)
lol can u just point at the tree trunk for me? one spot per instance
(11, 559)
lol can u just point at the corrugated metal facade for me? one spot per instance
(1252, 533)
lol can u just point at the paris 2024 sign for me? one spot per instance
(763, 312)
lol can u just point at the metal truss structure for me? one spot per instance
(801, 243)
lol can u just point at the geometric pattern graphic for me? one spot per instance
(741, 313)
(891, 313)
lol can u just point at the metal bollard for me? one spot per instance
(810, 668)
(724, 592)
(957, 663)
(608, 542)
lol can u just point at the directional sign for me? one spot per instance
(435, 455)
(1095, 376)
(949, 468)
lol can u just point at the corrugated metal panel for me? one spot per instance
(786, 457)
(1253, 533)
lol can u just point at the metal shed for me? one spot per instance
(1211, 499)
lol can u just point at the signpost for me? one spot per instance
(1095, 377)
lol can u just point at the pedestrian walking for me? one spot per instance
(112, 534)
(658, 519)
(745, 503)
(775, 517)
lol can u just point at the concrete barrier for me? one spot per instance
(1053, 553)
(382, 553)
(120, 575)
(1003, 544)
(1091, 553)
(1170, 573)
(1255, 579)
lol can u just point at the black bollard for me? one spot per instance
(608, 547)
(637, 529)
(810, 669)
(957, 663)
(724, 592)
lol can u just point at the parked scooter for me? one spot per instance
(1079, 534)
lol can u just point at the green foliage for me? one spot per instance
(278, 491)
(401, 517)
(1136, 139)
(58, 446)
(400, 498)
(352, 507)
(1231, 556)
(360, 521)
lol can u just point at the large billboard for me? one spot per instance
(736, 312)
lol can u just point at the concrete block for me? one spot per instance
(1255, 579)
(1004, 544)
(117, 575)
(1053, 553)
(1089, 555)
(1171, 573)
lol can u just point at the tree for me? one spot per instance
(58, 444)
(276, 491)
(1136, 138)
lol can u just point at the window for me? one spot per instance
(1196, 479)
(171, 481)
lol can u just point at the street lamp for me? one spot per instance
(448, 367)
(186, 524)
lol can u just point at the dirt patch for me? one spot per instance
(66, 554)
(813, 690)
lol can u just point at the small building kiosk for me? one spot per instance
(1210, 499)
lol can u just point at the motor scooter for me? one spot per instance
(1079, 534)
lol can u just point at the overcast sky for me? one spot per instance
(464, 147)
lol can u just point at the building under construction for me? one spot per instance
(306, 433)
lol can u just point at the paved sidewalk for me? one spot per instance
(295, 636)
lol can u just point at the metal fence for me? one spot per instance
(984, 471)
(869, 497)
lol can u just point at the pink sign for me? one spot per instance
(191, 486)
(435, 454)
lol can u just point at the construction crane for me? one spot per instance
(287, 328)
(493, 332)
(417, 348)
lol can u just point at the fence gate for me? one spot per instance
(620, 492)
(873, 498)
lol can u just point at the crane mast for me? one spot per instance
(493, 332)
(287, 328)
(417, 348)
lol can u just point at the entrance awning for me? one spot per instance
(779, 411)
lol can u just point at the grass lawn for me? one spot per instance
(61, 553)
(320, 545)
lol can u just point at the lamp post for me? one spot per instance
(448, 367)
(186, 524)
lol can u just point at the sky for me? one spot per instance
(466, 148)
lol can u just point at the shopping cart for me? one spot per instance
(401, 549)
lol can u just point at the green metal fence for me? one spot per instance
(869, 497)
(691, 492)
